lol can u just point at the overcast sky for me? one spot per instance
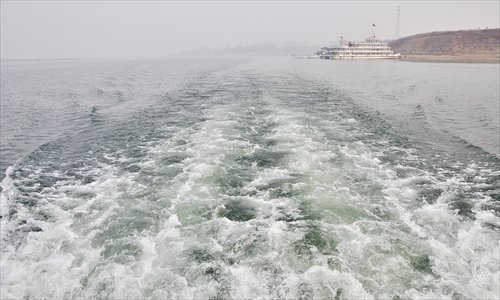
(134, 29)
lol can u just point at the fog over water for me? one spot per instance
(140, 29)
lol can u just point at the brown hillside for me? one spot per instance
(482, 44)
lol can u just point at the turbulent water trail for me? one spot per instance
(246, 184)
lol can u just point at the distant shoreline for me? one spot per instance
(484, 59)
(461, 46)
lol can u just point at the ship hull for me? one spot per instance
(359, 57)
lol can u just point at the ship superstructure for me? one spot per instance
(371, 48)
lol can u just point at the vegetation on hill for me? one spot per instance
(482, 45)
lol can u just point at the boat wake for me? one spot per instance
(248, 185)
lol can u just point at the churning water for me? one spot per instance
(271, 178)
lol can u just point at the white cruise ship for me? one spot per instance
(371, 48)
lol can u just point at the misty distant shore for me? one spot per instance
(468, 46)
(474, 58)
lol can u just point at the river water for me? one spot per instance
(249, 178)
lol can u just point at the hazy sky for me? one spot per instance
(107, 29)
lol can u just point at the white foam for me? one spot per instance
(360, 224)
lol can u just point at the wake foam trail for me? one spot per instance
(249, 185)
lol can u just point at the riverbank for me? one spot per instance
(466, 46)
(488, 59)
